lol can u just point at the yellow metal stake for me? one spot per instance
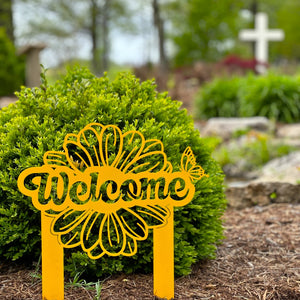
(52, 263)
(163, 260)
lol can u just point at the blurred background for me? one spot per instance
(182, 44)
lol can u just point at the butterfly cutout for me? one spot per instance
(189, 165)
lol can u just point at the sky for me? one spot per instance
(125, 50)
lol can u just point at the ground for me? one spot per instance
(259, 259)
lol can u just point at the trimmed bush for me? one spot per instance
(39, 121)
(12, 73)
(218, 98)
(274, 96)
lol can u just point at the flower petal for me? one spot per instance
(96, 252)
(90, 231)
(153, 215)
(168, 168)
(78, 157)
(70, 239)
(133, 144)
(67, 220)
(112, 236)
(66, 225)
(131, 246)
(111, 144)
(134, 225)
(151, 159)
(89, 139)
(55, 158)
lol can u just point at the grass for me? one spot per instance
(76, 282)
(81, 283)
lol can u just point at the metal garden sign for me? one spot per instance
(104, 192)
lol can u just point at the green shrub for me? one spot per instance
(39, 122)
(273, 96)
(218, 99)
(12, 67)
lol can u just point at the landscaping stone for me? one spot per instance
(277, 183)
(289, 131)
(295, 142)
(240, 170)
(262, 193)
(225, 127)
(283, 169)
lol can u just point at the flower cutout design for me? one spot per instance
(106, 189)
(103, 146)
(117, 230)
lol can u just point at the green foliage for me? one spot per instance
(6, 17)
(208, 30)
(202, 29)
(12, 67)
(273, 96)
(288, 22)
(218, 99)
(39, 122)
(83, 284)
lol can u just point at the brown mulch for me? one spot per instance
(260, 259)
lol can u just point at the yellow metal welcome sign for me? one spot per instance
(103, 193)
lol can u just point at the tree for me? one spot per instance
(288, 20)
(204, 30)
(101, 13)
(11, 66)
(65, 20)
(6, 18)
(159, 24)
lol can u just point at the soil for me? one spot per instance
(259, 259)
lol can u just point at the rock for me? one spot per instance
(288, 134)
(289, 131)
(262, 193)
(240, 170)
(237, 198)
(283, 169)
(225, 127)
(277, 183)
(294, 142)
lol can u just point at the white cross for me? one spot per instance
(261, 36)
